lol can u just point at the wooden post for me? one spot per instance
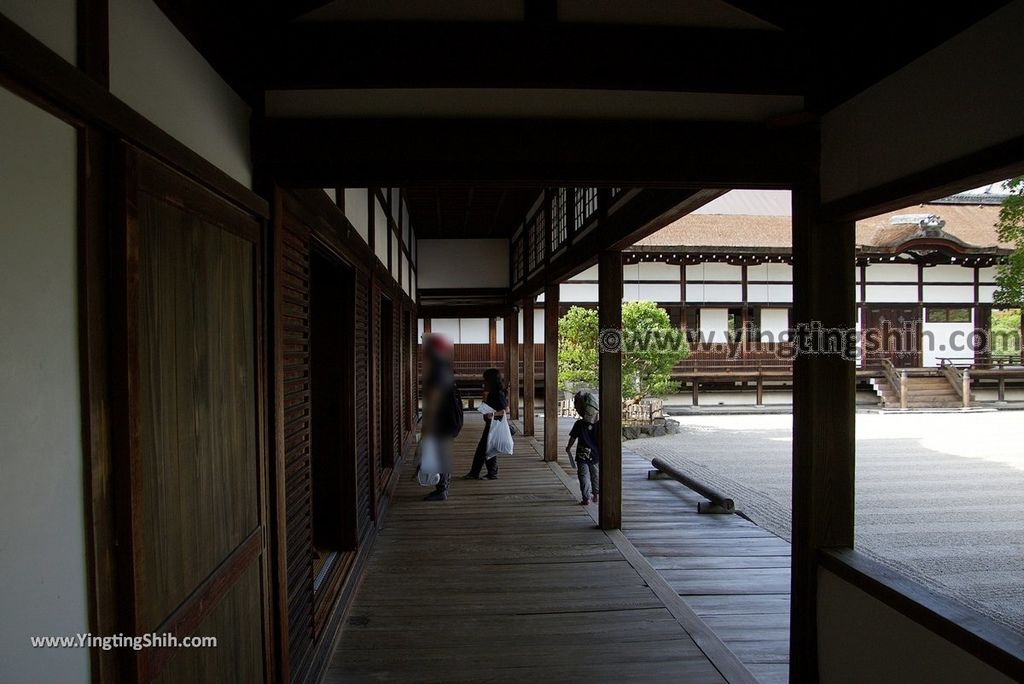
(609, 316)
(760, 387)
(492, 340)
(529, 368)
(823, 415)
(695, 385)
(551, 372)
(512, 353)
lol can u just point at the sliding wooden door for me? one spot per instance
(192, 471)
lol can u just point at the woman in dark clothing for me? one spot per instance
(493, 396)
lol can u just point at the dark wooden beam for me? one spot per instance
(534, 152)
(824, 405)
(638, 215)
(781, 13)
(609, 316)
(94, 40)
(529, 368)
(551, 448)
(533, 55)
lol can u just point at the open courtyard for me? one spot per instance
(940, 496)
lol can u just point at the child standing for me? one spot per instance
(587, 459)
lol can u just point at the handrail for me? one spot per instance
(897, 381)
(960, 379)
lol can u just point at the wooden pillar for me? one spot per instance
(492, 340)
(824, 405)
(529, 369)
(551, 372)
(609, 316)
(512, 354)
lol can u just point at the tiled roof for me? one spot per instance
(971, 224)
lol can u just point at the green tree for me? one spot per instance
(1010, 227)
(1006, 338)
(577, 347)
(652, 346)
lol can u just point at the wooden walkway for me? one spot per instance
(510, 580)
(730, 572)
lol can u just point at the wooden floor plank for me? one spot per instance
(508, 580)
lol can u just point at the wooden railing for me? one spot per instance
(898, 381)
(959, 378)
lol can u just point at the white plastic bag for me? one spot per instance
(499, 439)
(429, 473)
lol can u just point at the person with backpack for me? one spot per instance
(442, 408)
(493, 396)
(587, 460)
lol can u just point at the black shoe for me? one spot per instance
(491, 477)
(436, 496)
(470, 476)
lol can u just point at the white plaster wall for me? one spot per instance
(474, 331)
(380, 232)
(949, 273)
(332, 193)
(357, 211)
(669, 292)
(780, 294)
(949, 293)
(714, 325)
(42, 507)
(586, 274)
(986, 294)
(769, 273)
(499, 329)
(396, 257)
(861, 639)
(52, 22)
(658, 271)
(538, 325)
(775, 322)
(463, 263)
(449, 327)
(957, 99)
(904, 273)
(722, 293)
(583, 292)
(949, 340)
(156, 71)
(891, 293)
(987, 274)
(713, 271)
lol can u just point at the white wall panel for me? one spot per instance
(714, 324)
(380, 232)
(477, 263)
(774, 322)
(52, 22)
(474, 331)
(891, 293)
(957, 99)
(587, 274)
(891, 273)
(780, 294)
(668, 292)
(449, 327)
(357, 211)
(723, 293)
(156, 71)
(948, 293)
(986, 294)
(658, 271)
(949, 273)
(42, 538)
(949, 340)
(579, 292)
(987, 274)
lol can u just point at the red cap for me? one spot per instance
(437, 343)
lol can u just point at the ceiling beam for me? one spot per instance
(312, 55)
(535, 152)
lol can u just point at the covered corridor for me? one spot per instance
(511, 580)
